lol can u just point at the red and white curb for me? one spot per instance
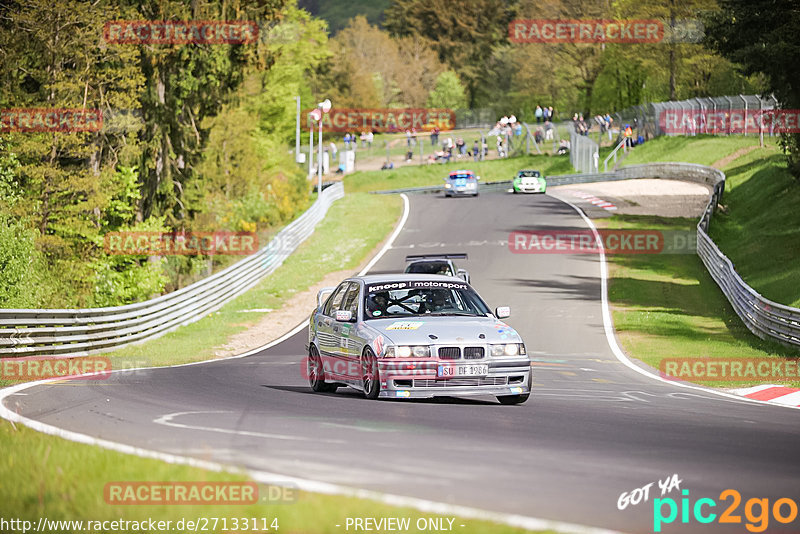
(772, 394)
(599, 202)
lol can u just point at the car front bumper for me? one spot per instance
(460, 191)
(530, 188)
(404, 380)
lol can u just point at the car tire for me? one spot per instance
(316, 373)
(370, 376)
(509, 400)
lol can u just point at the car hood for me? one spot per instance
(447, 330)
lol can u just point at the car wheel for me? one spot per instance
(316, 373)
(370, 379)
(513, 399)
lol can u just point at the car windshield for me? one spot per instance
(430, 267)
(422, 298)
(461, 176)
(529, 174)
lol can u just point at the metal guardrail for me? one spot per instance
(763, 317)
(81, 332)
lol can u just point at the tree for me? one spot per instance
(370, 69)
(463, 34)
(762, 37)
(448, 93)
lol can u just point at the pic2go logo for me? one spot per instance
(756, 511)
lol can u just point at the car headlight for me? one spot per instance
(507, 349)
(408, 351)
(471, 185)
(447, 186)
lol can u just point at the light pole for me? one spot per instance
(322, 107)
(297, 133)
(316, 115)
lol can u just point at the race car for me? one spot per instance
(436, 264)
(406, 336)
(527, 181)
(461, 183)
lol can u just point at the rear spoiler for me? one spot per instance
(415, 257)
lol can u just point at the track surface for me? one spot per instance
(592, 430)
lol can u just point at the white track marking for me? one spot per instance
(394, 235)
(423, 505)
(168, 420)
(608, 326)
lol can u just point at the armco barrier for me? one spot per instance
(763, 317)
(82, 332)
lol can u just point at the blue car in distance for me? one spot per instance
(461, 183)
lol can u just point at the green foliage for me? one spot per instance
(21, 265)
(448, 93)
(762, 37)
(195, 138)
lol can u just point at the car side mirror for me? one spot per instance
(462, 273)
(501, 312)
(477, 177)
(344, 316)
(321, 295)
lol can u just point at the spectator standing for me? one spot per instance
(475, 151)
(551, 114)
(370, 138)
(548, 130)
(347, 140)
(538, 114)
(435, 135)
(545, 114)
(334, 151)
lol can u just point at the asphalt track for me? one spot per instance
(593, 428)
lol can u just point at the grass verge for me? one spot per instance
(668, 306)
(65, 481)
(434, 174)
(352, 228)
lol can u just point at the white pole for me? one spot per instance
(297, 133)
(311, 152)
(319, 186)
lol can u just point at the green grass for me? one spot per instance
(44, 476)
(760, 227)
(352, 228)
(434, 174)
(703, 149)
(668, 306)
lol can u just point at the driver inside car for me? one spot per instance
(379, 302)
(438, 300)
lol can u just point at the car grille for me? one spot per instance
(461, 382)
(449, 353)
(473, 353)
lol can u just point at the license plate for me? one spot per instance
(450, 371)
(461, 183)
